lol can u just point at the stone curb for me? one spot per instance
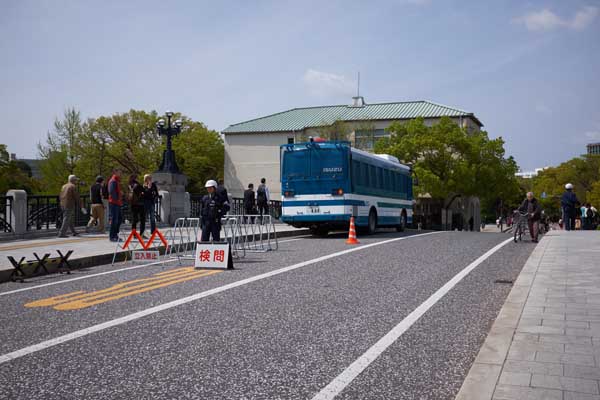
(482, 378)
(106, 258)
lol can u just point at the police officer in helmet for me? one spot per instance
(213, 209)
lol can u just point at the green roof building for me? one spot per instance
(252, 147)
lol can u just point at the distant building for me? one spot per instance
(252, 147)
(593, 148)
(530, 174)
(34, 165)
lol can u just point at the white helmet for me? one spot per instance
(210, 183)
(569, 186)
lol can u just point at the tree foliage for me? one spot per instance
(128, 141)
(15, 174)
(449, 160)
(583, 172)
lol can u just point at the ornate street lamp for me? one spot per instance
(168, 163)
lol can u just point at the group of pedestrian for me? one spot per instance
(257, 203)
(141, 199)
(576, 215)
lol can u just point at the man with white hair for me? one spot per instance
(69, 201)
(534, 212)
(568, 203)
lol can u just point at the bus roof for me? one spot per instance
(383, 160)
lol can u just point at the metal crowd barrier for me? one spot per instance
(257, 234)
(183, 238)
(245, 233)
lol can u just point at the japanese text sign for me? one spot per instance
(213, 255)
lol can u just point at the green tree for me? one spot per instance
(338, 130)
(15, 174)
(583, 172)
(200, 154)
(61, 151)
(448, 160)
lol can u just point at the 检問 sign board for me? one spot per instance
(213, 255)
(145, 255)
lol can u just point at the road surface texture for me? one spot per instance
(290, 324)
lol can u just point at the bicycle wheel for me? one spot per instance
(517, 234)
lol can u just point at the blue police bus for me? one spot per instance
(324, 183)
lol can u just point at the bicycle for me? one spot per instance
(520, 225)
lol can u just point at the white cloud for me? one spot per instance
(328, 84)
(546, 20)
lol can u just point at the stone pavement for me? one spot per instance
(89, 249)
(545, 342)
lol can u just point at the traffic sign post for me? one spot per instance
(213, 255)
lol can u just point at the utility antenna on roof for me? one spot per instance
(358, 100)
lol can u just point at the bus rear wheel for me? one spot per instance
(372, 226)
(402, 226)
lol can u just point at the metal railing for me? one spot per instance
(6, 214)
(44, 212)
(237, 206)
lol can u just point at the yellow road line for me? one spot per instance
(80, 299)
(49, 243)
(52, 301)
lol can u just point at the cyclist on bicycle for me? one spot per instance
(532, 207)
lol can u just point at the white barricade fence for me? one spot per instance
(232, 232)
(183, 239)
(257, 234)
(244, 233)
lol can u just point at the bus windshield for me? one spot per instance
(315, 163)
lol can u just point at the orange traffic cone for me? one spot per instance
(352, 233)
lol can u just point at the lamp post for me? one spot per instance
(168, 163)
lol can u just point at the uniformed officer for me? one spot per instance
(213, 209)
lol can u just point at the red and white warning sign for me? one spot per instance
(213, 255)
(145, 255)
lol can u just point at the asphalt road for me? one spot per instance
(271, 334)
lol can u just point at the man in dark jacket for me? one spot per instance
(212, 212)
(532, 207)
(222, 193)
(569, 203)
(96, 196)
(115, 201)
(135, 199)
(250, 201)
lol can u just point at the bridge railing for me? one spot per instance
(6, 214)
(44, 212)
(236, 204)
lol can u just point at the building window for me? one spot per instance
(290, 140)
(366, 139)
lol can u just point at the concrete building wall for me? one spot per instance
(250, 157)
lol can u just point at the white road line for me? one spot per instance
(336, 386)
(105, 273)
(149, 311)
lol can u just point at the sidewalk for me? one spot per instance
(545, 343)
(88, 249)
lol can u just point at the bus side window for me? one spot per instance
(355, 174)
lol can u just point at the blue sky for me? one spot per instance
(528, 70)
